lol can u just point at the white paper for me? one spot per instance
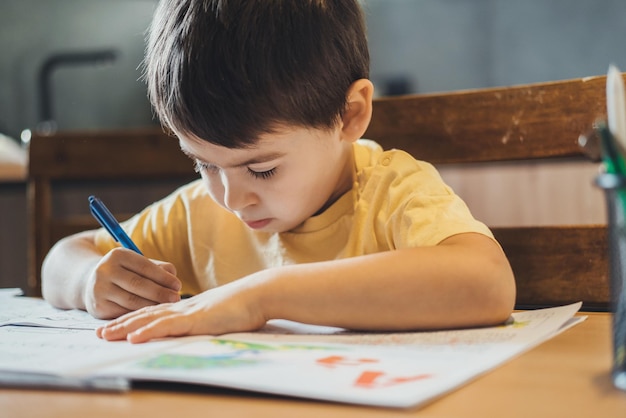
(22, 310)
(286, 358)
(392, 370)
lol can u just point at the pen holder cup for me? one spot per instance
(614, 187)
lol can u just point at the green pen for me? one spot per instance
(612, 157)
(614, 163)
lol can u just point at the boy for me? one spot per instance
(294, 217)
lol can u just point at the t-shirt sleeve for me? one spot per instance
(422, 210)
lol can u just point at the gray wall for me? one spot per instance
(87, 96)
(459, 44)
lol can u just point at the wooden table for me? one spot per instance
(567, 376)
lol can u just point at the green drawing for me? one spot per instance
(519, 324)
(189, 362)
(257, 347)
(243, 353)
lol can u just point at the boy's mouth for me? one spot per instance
(261, 223)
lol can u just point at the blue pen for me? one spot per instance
(108, 222)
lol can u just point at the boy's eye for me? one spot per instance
(262, 174)
(200, 166)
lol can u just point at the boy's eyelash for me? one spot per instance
(262, 174)
(199, 166)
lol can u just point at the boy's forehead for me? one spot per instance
(280, 137)
(263, 150)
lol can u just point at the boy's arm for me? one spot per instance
(75, 275)
(464, 281)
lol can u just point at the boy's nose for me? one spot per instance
(237, 196)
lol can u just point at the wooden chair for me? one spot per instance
(553, 265)
(133, 168)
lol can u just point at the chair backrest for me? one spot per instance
(131, 167)
(552, 264)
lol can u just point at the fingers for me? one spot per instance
(142, 277)
(159, 272)
(228, 308)
(104, 309)
(169, 267)
(139, 291)
(129, 298)
(147, 324)
(169, 326)
(125, 281)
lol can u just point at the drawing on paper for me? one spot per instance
(231, 353)
(377, 379)
(191, 362)
(514, 323)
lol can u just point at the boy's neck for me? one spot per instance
(345, 180)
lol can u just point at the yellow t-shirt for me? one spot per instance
(395, 202)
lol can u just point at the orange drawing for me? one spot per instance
(375, 379)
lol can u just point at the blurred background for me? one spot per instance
(73, 64)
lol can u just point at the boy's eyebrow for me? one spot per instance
(254, 160)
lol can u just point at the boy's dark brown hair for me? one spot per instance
(227, 71)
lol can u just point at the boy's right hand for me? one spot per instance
(124, 281)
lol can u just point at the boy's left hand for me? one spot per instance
(228, 308)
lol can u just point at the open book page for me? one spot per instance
(285, 358)
(21, 310)
(393, 370)
(523, 327)
(65, 351)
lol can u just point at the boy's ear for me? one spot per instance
(358, 112)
